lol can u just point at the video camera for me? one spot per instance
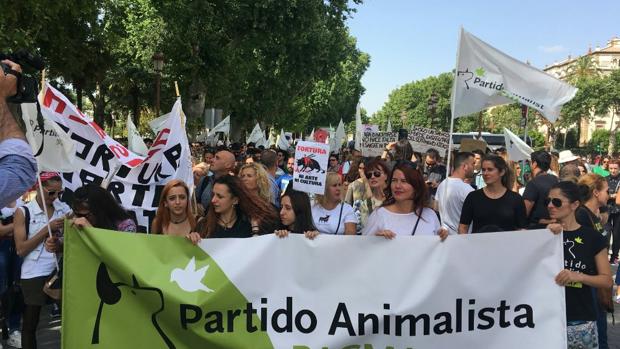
(27, 86)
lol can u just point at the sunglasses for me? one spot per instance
(53, 193)
(373, 173)
(81, 214)
(555, 202)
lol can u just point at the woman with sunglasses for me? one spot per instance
(594, 195)
(296, 216)
(405, 211)
(94, 206)
(495, 205)
(585, 261)
(39, 264)
(330, 214)
(235, 212)
(367, 193)
(174, 214)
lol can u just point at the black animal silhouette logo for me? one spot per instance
(468, 76)
(110, 294)
(308, 164)
(324, 219)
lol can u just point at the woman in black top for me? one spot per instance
(296, 215)
(594, 196)
(495, 204)
(235, 212)
(585, 261)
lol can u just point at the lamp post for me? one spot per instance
(158, 66)
(403, 118)
(432, 106)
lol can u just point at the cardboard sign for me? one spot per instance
(310, 167)
(422, 139)
(373, 143)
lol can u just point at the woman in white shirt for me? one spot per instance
(404, 211)
(38, 264)
(329, 213)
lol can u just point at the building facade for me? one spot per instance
(606, 60)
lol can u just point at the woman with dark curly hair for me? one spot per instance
(235, 212)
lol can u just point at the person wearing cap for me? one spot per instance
(567, 157)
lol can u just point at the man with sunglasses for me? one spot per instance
(537, 190)
(452, 192)
(603, 167)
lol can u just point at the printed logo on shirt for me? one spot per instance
(324, 219)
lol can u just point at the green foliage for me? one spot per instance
(288, 64)
(411, 100)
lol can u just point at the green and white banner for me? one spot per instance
(495, 290)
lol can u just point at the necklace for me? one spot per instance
(179, 222)
(229, 224)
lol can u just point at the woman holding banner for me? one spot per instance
(30, 232)
(330, 214)
(585, 264)
(235, 212)
(404, 212)
(296, 215)
(495, 207)
(367, 193)
(174, 215)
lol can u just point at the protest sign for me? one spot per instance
(309, 171)
(373, 143)
(422, 139)
(177, 295)
(371, 128)
(138, 181)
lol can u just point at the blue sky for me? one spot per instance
(411, 40)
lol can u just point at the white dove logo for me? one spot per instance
(190, 279)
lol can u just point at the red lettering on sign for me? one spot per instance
(159, 140)
(134, 162)
(49, 97)
(119, 150)
(77, 119)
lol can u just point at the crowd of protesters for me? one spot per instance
(242, 191)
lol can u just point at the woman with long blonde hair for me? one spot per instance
(330, 214)
(174, 215)
(256, 179)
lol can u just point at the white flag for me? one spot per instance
(53, 147)
(336, 142)
(517, 149)
(358, 127)
(223, 126)
(134, 140)
(159, 123)
(485, 77)
(256, 136)
(281, 142)
(389, 126)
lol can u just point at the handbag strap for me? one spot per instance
(416, 223)
(339, 218)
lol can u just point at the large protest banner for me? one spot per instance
(373, 143)
(310, 169)
(133, 290)
(138, 180)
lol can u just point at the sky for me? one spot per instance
(409, 40)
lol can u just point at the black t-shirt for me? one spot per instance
(580, 248)
(587, 218)
(506, 213)
(241, 229)
(537, 191)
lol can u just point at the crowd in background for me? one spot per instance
(242, 191)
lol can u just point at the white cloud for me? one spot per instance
(552, 48)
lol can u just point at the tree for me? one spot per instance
(607, 98)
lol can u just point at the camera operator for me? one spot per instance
(18, 168)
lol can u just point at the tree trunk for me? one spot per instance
(135, 106)
(99, 106)
(78, 92)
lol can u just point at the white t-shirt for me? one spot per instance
(402, 223)
(451, 194)
(326, 221)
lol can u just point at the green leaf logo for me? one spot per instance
(480, 72)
